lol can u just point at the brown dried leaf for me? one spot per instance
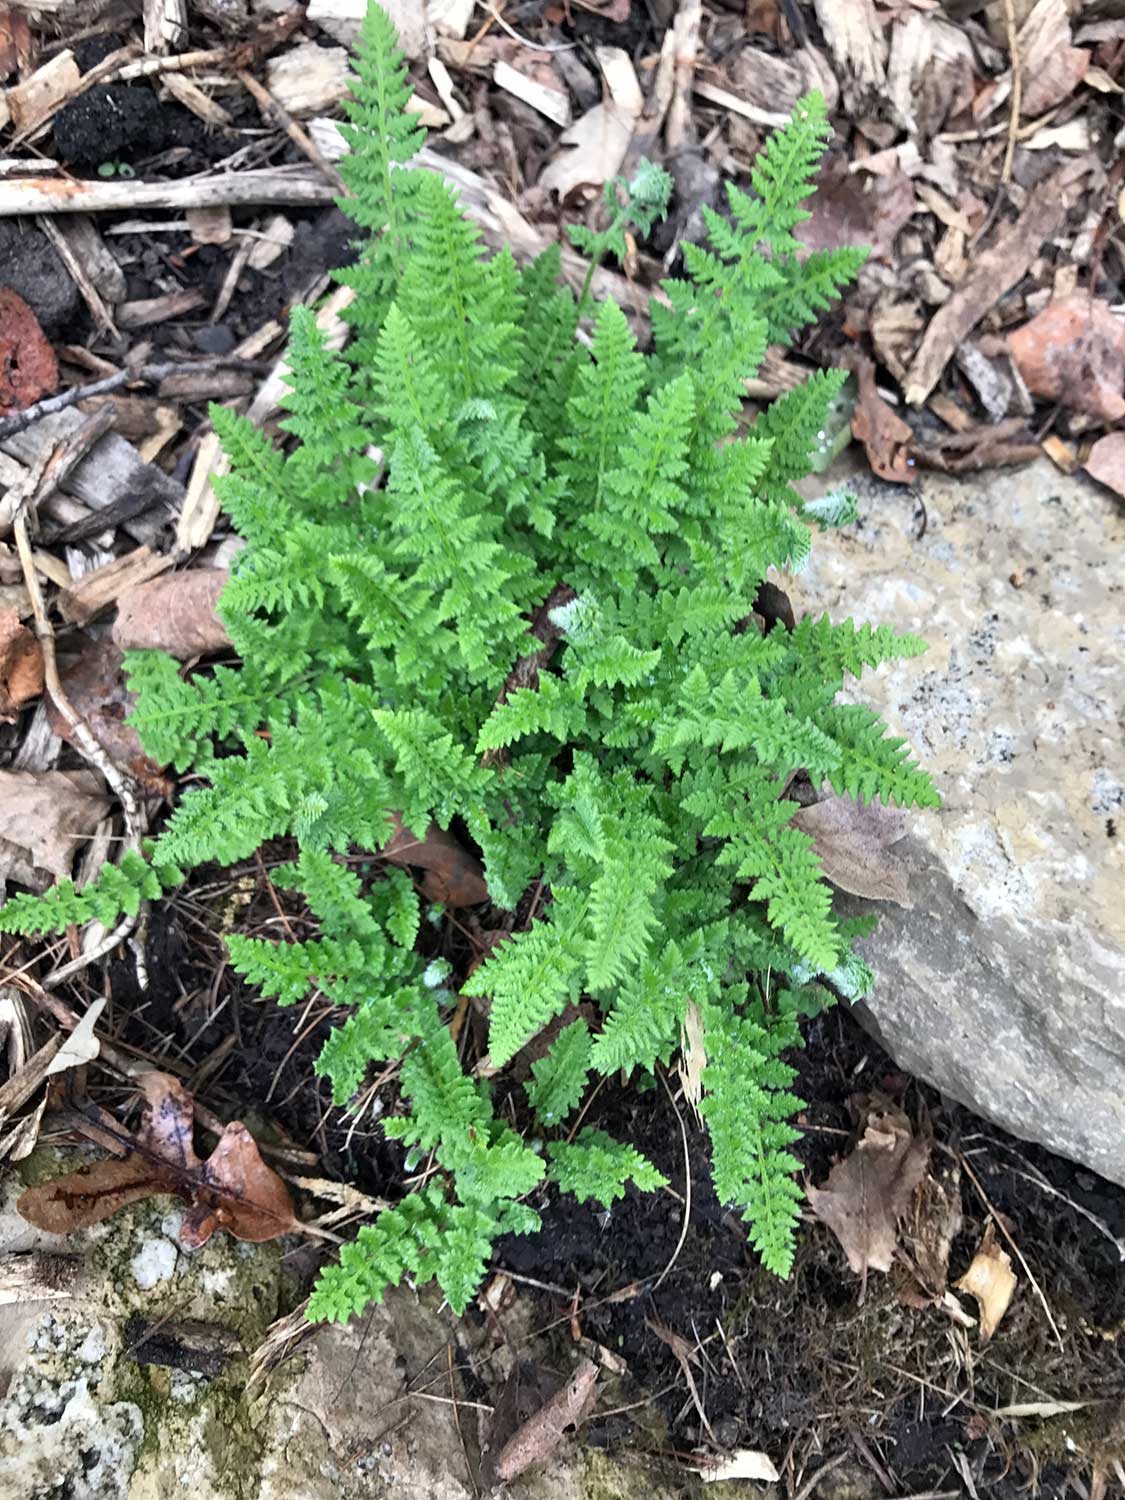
(1074, 351)
(991, 1280)
(886, 438)
(94, 683)
(174, 613)
(854, 209)
(852, 841)
(28, 367)
(43, 817)
(452, 875)
(1106, 462)
(935, 1224)
(233, 1189)
(16, 41)
(869, 1191)
(21, 666)
(542, 1433)
(1050, 68)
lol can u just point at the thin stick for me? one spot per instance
(1017, 89)
(825, 1469)
(275, 113)
(975, 1180)
(687, 1189)
(145, 374)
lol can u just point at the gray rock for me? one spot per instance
(1005, 986)
(29, 265)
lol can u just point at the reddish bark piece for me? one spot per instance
(869, 1191)
(28, 367)
(16, 41)
(21, 666)
(94, 683)
(1074, 351)
(451, 874)
(1106, 462)
(233, 1189)
(887, 439)
(175, 613)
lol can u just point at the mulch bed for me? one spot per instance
(985, 329)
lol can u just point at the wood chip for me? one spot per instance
(192, 97)
(621, 79)
(768, 119)
(96, 591)
(165, 24)
(992, 273)
(210, 226)
(149, 310)
(307, 79)
(550, 102)
(35, 99)
(271, 241)
(855, 38)
(341, 19)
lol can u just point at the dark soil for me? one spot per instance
(807, 1365)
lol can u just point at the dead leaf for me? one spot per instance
(870, 1190)
(887, 440)
(80, 1046)
(44, 815)
(452, 875)
(233, 1189)
(94, 682)
(591, 151)
(1106, 462)
(174, 613)
(693, 1055)
(991, 1281)
(1050, 68)
(853, 209)
(1074, 351)
(28, 368)
(852, 840)
(21, 666)
(543, 1431)
(934, 1225)
(992, 273)
(976, 446)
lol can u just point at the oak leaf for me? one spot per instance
(870, 1190)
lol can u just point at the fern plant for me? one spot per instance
(636, 770)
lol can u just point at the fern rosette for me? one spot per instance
(636, 773)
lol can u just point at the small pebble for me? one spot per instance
(214, 338)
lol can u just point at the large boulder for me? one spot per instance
(1005, 985)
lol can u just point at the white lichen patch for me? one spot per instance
(154, 1261)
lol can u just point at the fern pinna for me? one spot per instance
(639, 776)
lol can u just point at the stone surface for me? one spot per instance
(85, 1417)
(1005, 986)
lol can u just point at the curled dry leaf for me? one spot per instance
(540, 1435)
(21, 666)
(94, 683)
(233, 1189)
(591, 151)
(175, 613)
(1106, 462)
(28, 368)
(869, 1191)
(1074, 351)
(44, 815)
(451, 874)
(991, 1280)
(887, 439)
(852, 840)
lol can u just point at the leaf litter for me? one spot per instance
(231, 1189)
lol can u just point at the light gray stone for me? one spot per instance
(1005, 986)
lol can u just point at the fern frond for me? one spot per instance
(596, 1166)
